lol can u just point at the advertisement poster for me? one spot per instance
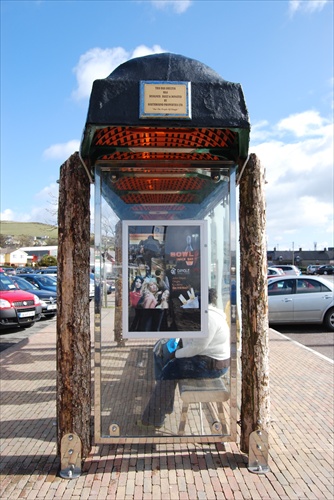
(165, 285)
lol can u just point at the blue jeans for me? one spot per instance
(161, 401)
(160, 360)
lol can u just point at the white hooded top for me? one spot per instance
(216, 344)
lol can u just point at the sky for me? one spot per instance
(281, 52)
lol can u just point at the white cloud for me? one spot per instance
(7, 214)
(308, 6)
(178, 6)
(297, 154)
(47, 209)
(48, 192)
(260, 132)
(61, 151)
(44, 211)
(10, 215)
(98, 63)
(303, 124)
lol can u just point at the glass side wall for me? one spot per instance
(152, 281)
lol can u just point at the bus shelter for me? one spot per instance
(164, 142)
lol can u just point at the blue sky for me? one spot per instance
(280, 51)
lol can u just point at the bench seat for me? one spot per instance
(212, 390)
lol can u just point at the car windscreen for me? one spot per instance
(24, 284)
(46, 281)
(6, 284)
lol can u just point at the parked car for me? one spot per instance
(312, 269)
(18, 308)
(9, 270)
(25, 270)
(274, 271)
(287, 269)
(107, 287)
(301, 299)
(48, 299)
(325, 270)
(41, 282)
(49, 270)
(110, 279)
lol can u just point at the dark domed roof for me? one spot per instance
(215, 102)
(167, 66)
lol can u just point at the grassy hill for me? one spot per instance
(8, 228)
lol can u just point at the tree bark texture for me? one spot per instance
(73, 323)
(255, 397)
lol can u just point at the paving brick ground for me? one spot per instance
(301, 439)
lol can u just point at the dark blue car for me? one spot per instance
(42, 282)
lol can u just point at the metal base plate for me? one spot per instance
(258, 452)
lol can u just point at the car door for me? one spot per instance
(312, 299)
(280, 300)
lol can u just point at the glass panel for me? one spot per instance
(133, 384)
(308, 286)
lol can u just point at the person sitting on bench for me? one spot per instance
(198, 358)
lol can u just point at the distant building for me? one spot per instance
(13, 257)
(300, 257)
(36, 253)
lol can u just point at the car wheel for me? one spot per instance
(329, 319)
(325, 272)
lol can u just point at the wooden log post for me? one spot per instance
(73, 322)
(255, 398)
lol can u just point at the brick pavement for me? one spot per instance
(300, 455)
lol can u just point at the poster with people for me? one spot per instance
(165, 271)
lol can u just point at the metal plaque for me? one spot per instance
(165, 99)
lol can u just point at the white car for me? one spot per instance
(289, 269)
(272, 272)
(301, 299)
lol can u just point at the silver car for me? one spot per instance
(312, 269)
(301, 299)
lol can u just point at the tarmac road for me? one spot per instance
(311, 336)
(14, 335)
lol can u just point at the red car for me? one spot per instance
(17, 307)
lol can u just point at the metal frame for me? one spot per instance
(204, 276)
